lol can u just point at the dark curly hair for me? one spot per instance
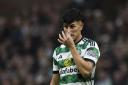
(73, 15)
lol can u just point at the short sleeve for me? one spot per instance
(92, 52)
(55, 66)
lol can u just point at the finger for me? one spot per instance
(63, 34)
(61, 38)
(65, 30)
(60, 41)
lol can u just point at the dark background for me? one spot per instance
(29, 31)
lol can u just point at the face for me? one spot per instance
(75, 29)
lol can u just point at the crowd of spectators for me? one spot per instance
(28, 37)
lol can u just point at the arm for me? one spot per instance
(55, 79)
(56, 75)
(84, 67)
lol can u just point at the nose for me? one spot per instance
(69, 29)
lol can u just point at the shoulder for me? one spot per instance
(90, 42)
(92, 46)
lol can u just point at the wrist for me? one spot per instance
(72, 47)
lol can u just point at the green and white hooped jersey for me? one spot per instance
(64, 64)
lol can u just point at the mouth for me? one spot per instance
(71, 34)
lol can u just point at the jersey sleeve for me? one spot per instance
(92, 52)
(55, 66)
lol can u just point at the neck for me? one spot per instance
(78, 39)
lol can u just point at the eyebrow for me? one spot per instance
(72, 24)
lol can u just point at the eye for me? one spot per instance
(72, 26)
(66, 26)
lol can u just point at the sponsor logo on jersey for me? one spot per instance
(60, 57)
(91, 53)
(68, 62)
(68, 70)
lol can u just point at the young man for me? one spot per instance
(74, 61)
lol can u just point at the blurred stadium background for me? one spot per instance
(29, 29)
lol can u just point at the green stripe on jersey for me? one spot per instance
(61, 50)
(55, 62)
(73, 79)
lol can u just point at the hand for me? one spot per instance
(65, 38)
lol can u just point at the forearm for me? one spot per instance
(55, 79)
(83, 66)
(54, 82)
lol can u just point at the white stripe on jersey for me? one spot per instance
(63, 56)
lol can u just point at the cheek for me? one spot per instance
(74, 31)
(77, 32)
